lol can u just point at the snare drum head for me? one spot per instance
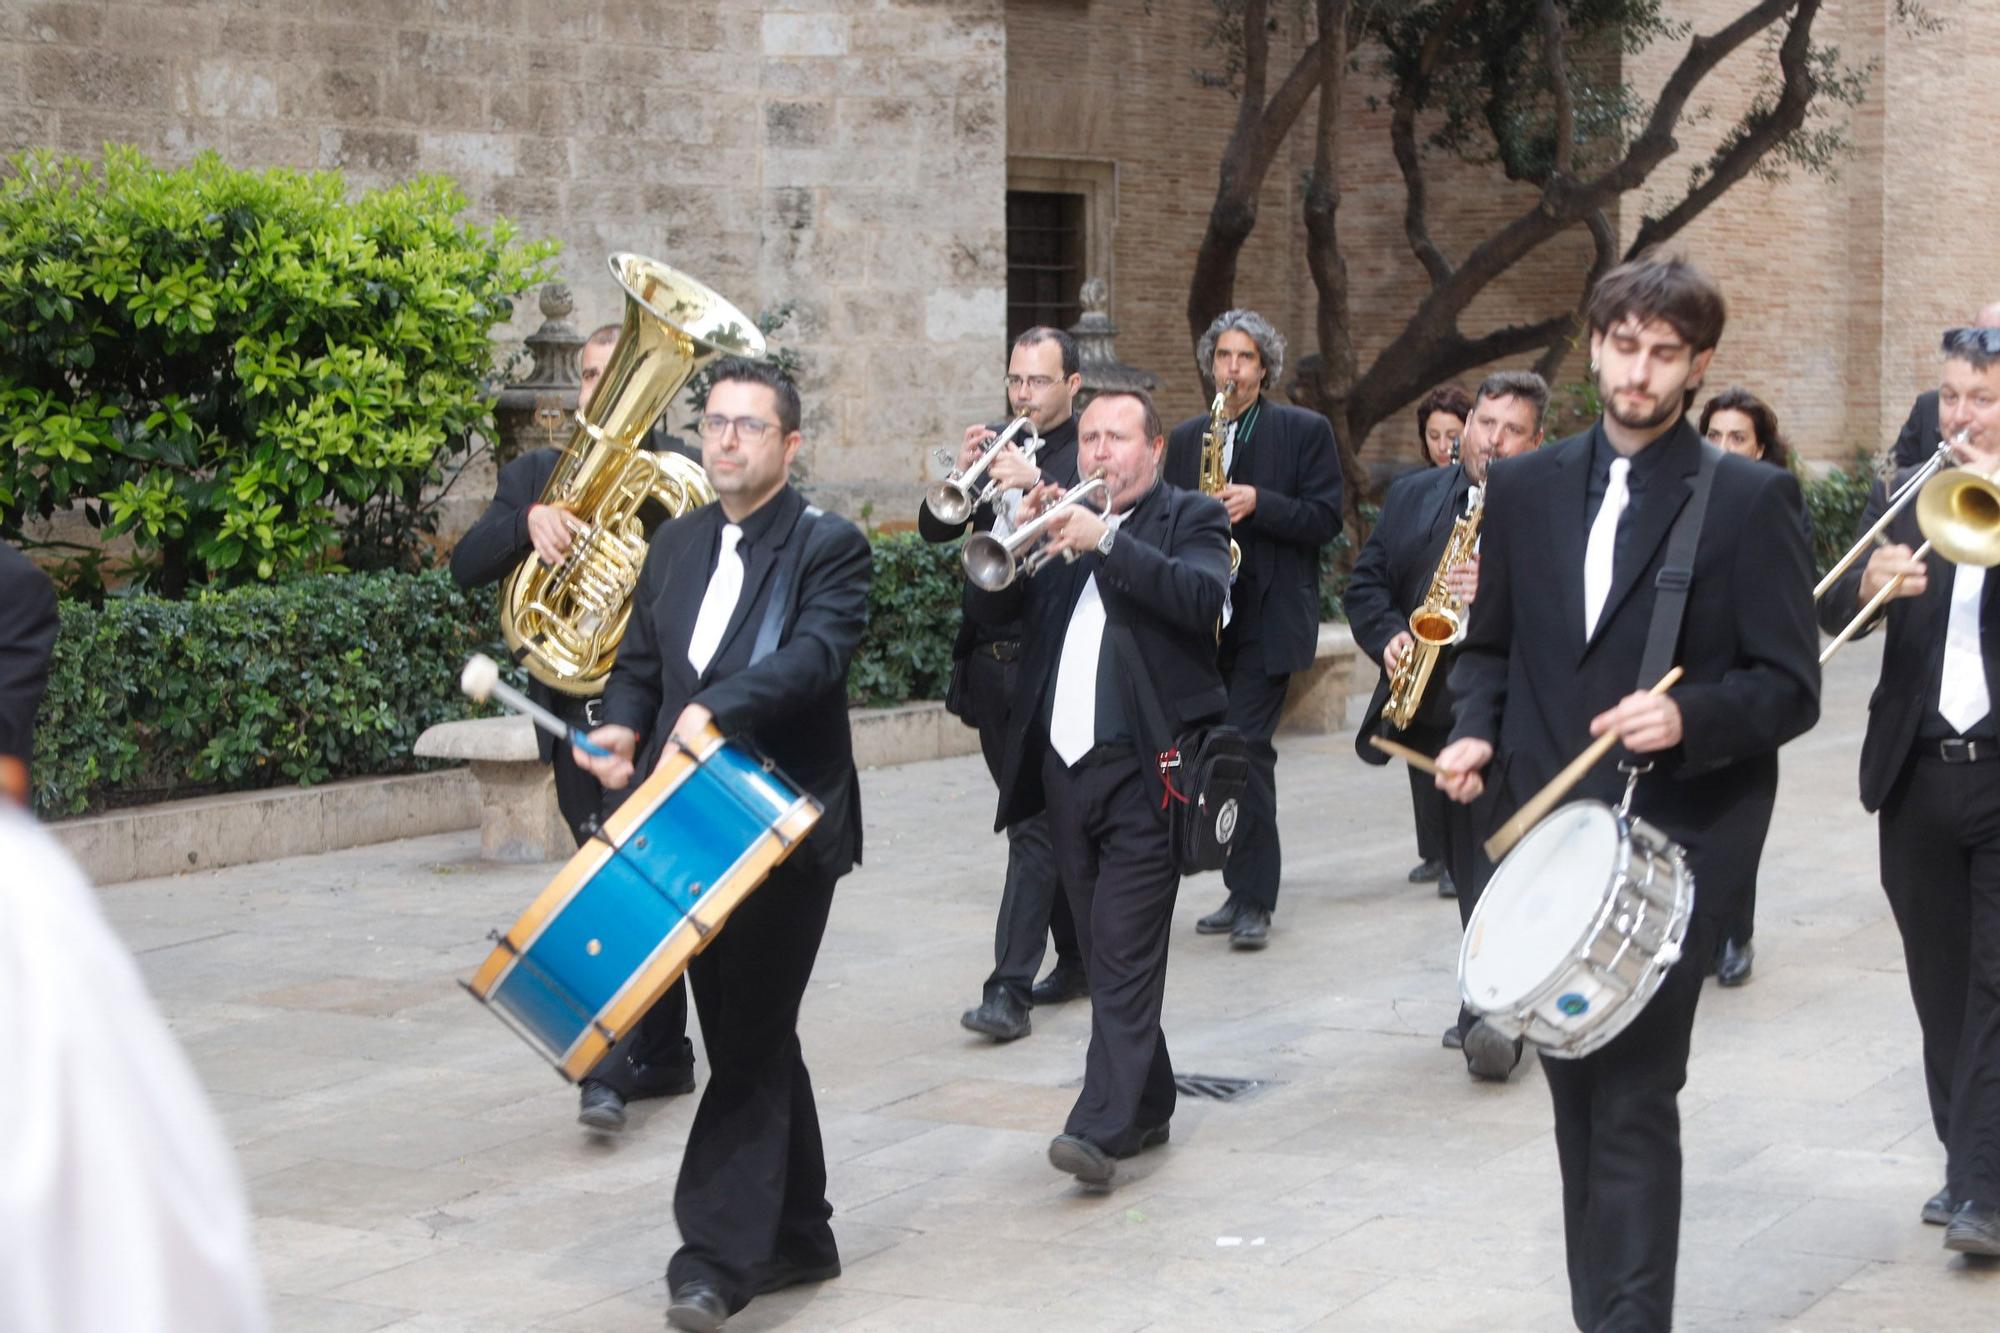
(1540, 903)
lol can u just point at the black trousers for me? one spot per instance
(1428, 808)
(1119, 872)
(752, 1185)
(1032, 905)
(656, 1054)
(1618, 1137)
(1466, 828)
(1940, 836)
(1256, 698)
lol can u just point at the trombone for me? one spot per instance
(953, 499)
(1959, 516)
(1940, 459)
(992, 563)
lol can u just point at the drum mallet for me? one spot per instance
(1543, 801)
(1416, 759)
(481, 681)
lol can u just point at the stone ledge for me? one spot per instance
(1316, 702)
(209, 832)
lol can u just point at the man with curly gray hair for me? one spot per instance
(1282, 491)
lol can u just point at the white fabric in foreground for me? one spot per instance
(121, 1210)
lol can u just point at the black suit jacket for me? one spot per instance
(1391, 576)
(792, 705)
(1164, 581)
(1295, 466)
(1057, 461)
(1526, 681)
(1913, 653)
(1918, 439)
(27, 640)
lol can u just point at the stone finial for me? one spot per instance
(1094, 333)
(555, 344)
(557, 304)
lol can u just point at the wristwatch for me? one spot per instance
(1104, 542)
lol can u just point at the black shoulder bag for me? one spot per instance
(1203, 775)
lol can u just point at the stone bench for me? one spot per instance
(1316, 702)
(518, 816)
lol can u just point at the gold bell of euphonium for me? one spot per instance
(563, 622)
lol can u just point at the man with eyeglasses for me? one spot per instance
(1918, 439)
(1283, 498)
(1043, 378)
(746, 616)
(1930, 766)
(656, 1059)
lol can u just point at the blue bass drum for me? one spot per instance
(618, 925)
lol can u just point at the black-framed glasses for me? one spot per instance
(750, 430)
(1034, 383)
(1972, 338)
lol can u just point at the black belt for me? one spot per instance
(1001, 650)
(1959, 750)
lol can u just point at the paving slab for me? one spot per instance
(414, 1167)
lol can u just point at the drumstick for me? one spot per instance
(481, 680)
(1416, 759)
(1543, 801)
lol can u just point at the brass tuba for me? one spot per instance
(1436, 625)
(564, 622)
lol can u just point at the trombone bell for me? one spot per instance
(1959, 512)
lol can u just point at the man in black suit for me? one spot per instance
(1283, 500)
(1118, 661)
(1930, 764)
(1918, 439)
(655, 1059)
(1571, 557)
(27, 640)
(1044, 374)
(1392, 577)
(747, 615)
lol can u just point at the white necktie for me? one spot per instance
(725, 585)
(1597, 556)
(1073, 716)
(1962, 689)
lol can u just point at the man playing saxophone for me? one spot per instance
(1409, 562)
(1281, 487)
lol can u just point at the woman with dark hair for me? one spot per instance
(1441, 416)
(1743, 423)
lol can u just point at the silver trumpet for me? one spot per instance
(992, 563)
(953, 499)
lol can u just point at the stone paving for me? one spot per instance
(413, 1167)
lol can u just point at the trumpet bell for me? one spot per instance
(988, 562)
(1959, 514)
(948, 502)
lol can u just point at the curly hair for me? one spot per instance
(1270, 343)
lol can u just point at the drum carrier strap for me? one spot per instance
(778, 609)
(1676, 576)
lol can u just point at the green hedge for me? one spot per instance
(913, 613)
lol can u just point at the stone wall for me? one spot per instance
(847, 155)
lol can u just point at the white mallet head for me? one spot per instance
(481, 674)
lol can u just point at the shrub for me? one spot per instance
(913, 615)
(241, 370)
(1834, 503)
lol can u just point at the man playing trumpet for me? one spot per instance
(1930, 765)
(1118, 659)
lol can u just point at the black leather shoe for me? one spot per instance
(1063, 984)
(698, 1308)
(1490, 1055)
(1974, 1229)
(1732, 963)
(1222, 920)
(1002, 1018)
(1426, 872)
(1939, 1208)
(785, 1271)
(1155, 1136)
(1252, 929)
(1447, 886)
(601, 1107)
(1454, 1038)
(1090, 1164)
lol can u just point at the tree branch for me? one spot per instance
(1604, 243)
(1403, 140)
(1558, 62)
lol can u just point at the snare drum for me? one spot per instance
(1577, 928)
(618, 925)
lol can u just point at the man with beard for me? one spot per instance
(1573, 565)
(1391, 579)
(1043, 377)
(1283, 499)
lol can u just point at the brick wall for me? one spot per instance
(845, 154)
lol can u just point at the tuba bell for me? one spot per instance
(563, 623)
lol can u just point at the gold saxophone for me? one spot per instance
(1436, 625)
(1213, 478)
(564, 622)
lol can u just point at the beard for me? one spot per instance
(1669, 406)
